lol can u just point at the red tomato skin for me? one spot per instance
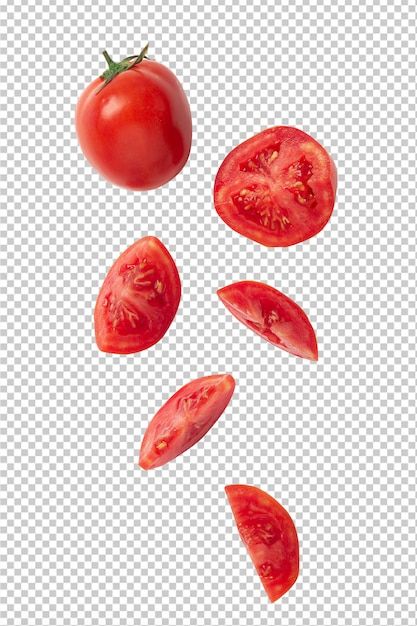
(302, 230)
(185, 418)
(137, 130)
(159, 308)
(269, 535)
(258, 298)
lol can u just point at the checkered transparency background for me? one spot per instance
(87, 538)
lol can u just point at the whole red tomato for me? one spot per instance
(134, 123)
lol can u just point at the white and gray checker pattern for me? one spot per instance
(87, 538)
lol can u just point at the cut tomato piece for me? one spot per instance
(269, 535)
(277, 188)
(272, 315)
(138, 300)
(185, 418)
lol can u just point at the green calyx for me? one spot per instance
(117, 68)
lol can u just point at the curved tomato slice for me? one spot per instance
(272, 315)
(277, 188)
(185, 418)
(269, 535)
(138, 300)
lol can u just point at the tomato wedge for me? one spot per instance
(277, 188)
(269, 535)
(272, 315)
(138, 300)
(185, 418)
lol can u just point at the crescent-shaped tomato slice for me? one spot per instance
(269, 535)
(138, 300)
(185, 418)
(277, 188)
(272, 315)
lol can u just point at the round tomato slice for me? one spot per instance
(269, 535)
(138, 300)
(185, 418)
(272, 315)
(277, 188)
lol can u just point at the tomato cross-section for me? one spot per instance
(269, 535)
(138, 300)
(277, 188)
(272, 315)
(185, 418)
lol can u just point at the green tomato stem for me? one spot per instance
(108, 59)
(117, 68)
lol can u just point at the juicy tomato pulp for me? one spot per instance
(277, 188)
(185, 418)
(272, 315)
(269, 535)
(136, 131)
(138, 300)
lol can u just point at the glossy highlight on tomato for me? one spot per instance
(272, 315)
(185, 418)
(269, 535)
(134, 123)
(138, 300)
(277, 188)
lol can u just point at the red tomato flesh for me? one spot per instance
(136, 130)
(269, 535)
(272, 315)
(185, 418)
(138, 300)
(277, 188)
